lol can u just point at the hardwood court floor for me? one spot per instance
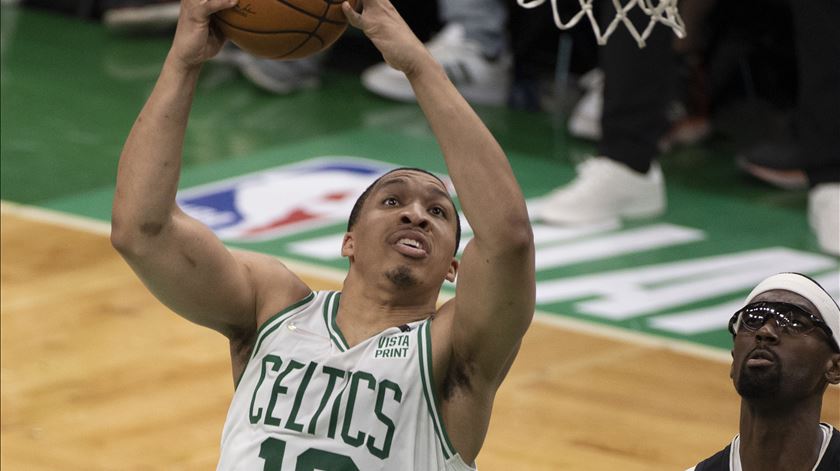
(97, 375)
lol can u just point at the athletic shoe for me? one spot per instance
(480, 80)
(280, 77)
(776, 163)
(824, 216)
(585, 119)
(606, 190)
(144, 16)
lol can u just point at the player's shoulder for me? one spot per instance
(275, 285)
(446, 310)
(831, 457)
(442, 320)
(261, 267)
(717, 462)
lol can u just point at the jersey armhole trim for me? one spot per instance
(424, 343)
(270, 326)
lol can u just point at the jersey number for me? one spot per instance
(272, 451)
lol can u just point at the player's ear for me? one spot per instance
(453, 270)
(732, 365)
(347, 246)
(832, 374)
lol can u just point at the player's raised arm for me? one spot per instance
(496, 287)
(179, 259)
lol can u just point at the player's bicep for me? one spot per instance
(495, 304)
(189, 269)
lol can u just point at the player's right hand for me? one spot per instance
(384, 26)
(196, 39)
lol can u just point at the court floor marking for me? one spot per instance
(95, 226)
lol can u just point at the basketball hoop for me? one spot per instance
(659, 11)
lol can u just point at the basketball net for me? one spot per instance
(659, 11)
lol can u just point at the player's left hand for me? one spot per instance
(384, 26)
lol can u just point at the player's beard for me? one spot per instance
(759, 384)
(401, 277)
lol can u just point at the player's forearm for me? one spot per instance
(150, 163)
(487, 189)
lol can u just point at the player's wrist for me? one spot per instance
(180, 64)
(422, 66)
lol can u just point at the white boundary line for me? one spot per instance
(98, 227)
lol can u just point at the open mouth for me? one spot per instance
(411, 245)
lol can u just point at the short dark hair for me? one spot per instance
(357, 207)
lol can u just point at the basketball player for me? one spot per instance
(785, 355)
(374, 377)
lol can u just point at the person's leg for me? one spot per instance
(817, 36)
(817, 30)
(638, 88)
(623, 182)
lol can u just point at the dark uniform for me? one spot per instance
(828, 461)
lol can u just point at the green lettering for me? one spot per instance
(290, 423)
(279, 389)
(351, 402)
(334, 411)
(334, 374)
(255, 417)
(385, 451)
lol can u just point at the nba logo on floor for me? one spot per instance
(281, 201)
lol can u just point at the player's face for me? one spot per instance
(771, 364)
(406, 230)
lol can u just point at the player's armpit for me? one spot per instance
(495, 296)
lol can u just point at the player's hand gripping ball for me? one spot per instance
(283, 29)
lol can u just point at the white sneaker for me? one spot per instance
(275, 76)
(479, 80)
(585, 118)
(824, 216)
(606, 190)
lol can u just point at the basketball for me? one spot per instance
(283, 29)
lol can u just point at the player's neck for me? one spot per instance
(365, 310)
(779, 438)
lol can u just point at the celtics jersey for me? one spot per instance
(307, 401)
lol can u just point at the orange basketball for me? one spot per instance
(283, 29)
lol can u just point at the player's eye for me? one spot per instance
(753, 321)
(438, 211)
(390, 201)
(799, 323)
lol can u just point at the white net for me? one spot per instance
(658, 11)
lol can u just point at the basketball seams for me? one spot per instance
(285, 31)
(321, 19)
(275, 34)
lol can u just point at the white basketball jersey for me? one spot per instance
(308, 402)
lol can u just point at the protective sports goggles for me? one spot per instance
(791, 319)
